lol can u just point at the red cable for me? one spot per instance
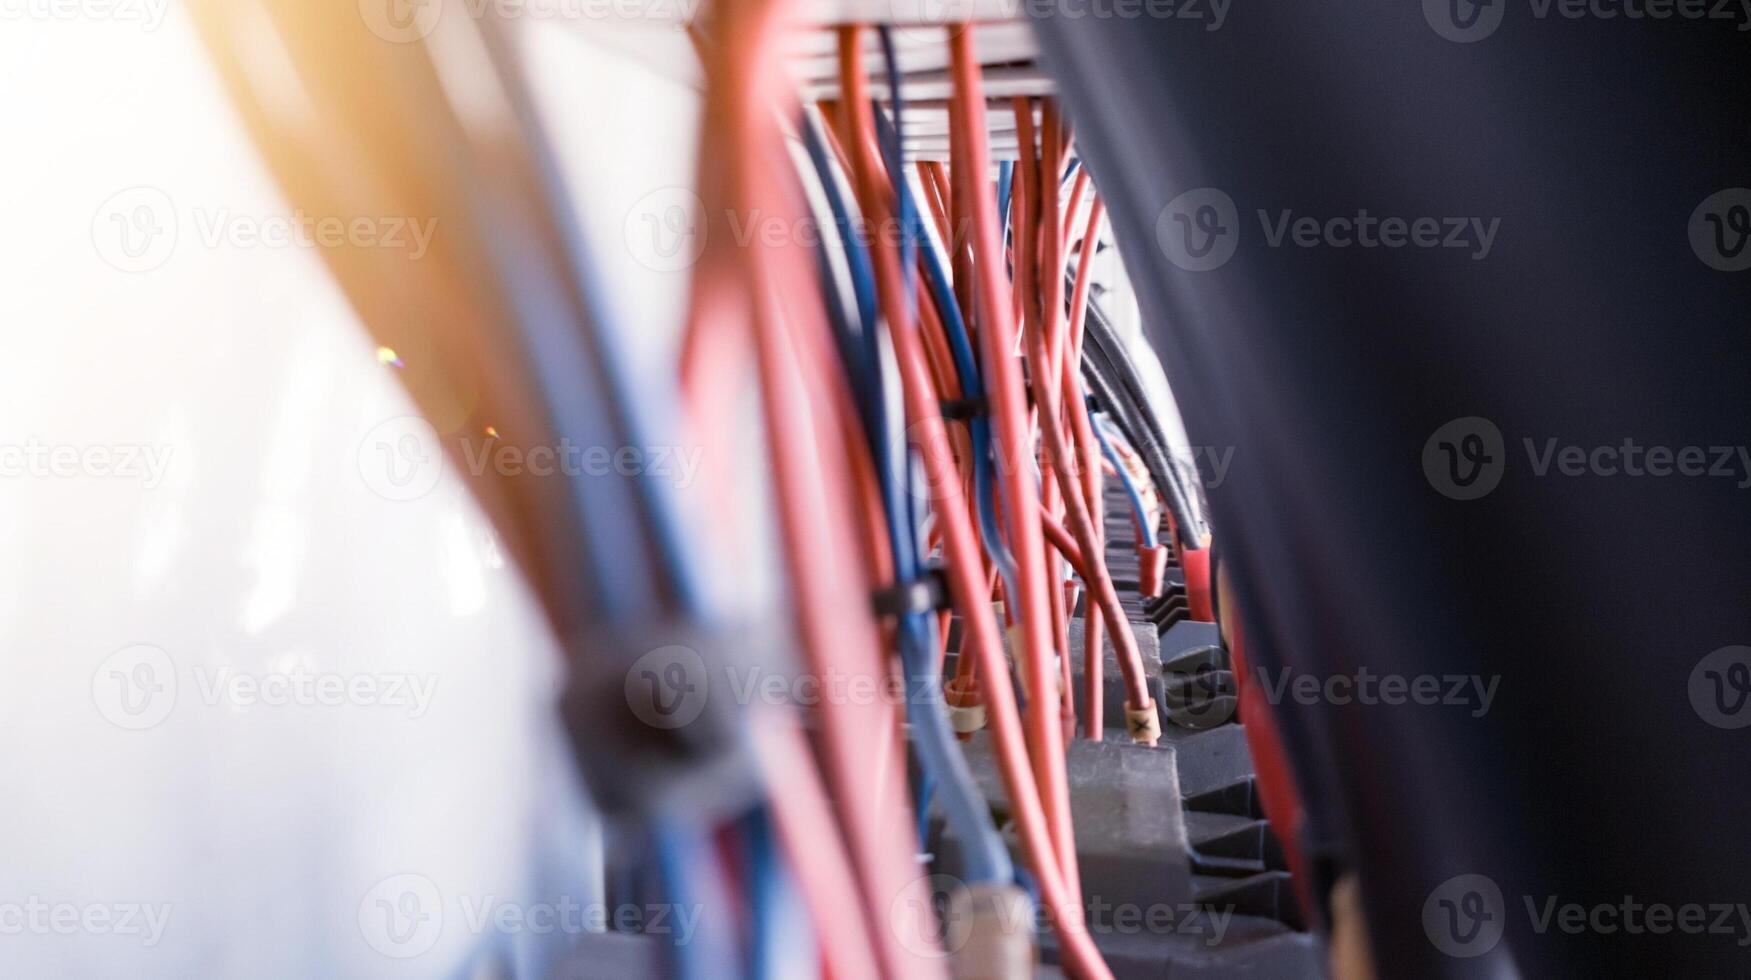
(1076, 191)
(1084, 265)
(1050, 249)
(1046, 373)
(961, 546)
(1013, 444)
(1066, 545)
(774, 292)
(817, 855)
(996, 336)
(1093, 658)
(1100, 585)
(935, 197)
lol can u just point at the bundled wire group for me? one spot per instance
(939, 398)
(938, 407)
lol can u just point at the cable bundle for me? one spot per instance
(938, 395)
(927, 401)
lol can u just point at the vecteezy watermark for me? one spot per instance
(1465, 459)
(1632, 459)
(665, 230)
(149, 14)
(39, 460)
(1207, 15)
(1720, 229)
(135, 230)
(928, 922)
(402, 459)
(1205, 694)
(1466, 915)
(1472, 236)
(1206, 465)
(138, 230)
(137, 687)
(406, 21)
(669, 687)
(1200, 230)
(298, 686)
(1467, 21)
(37, 917)
(1472, 692)
(403, 916)
(1720, 687)
(1209, 464)
(927, 20)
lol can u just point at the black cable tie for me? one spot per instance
(963, 409)
(925, 594)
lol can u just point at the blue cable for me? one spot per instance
(632, 537)
(932, 737)
(857, 261)
(1005, 187)
(767, 889)
(896, 161)
(985, 490)
(926, 789)
(687, 866)
(864, 361)
(945, 766)
(936, 278)
(972, 387)
(1005, 183)
(1106, 448)
(558, 344)
(857, 266)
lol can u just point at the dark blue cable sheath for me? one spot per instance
(683, 865)
(926, 788)
(1005, 183)
(972, 387)
(765, 885)
(857, 261)
(864, 361)
(940, 757)
(845, 336)
(894, 150)
(1005, 187)
(936, 278)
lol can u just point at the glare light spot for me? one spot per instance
(492, 432)
(387, 356)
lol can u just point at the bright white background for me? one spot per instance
(262, 549)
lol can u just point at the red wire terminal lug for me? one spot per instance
(1152, 570)
(1197, 567)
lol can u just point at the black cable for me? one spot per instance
(1100, 332)
(1125, 402)
(1123, 412)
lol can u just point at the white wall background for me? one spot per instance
(256, 549)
